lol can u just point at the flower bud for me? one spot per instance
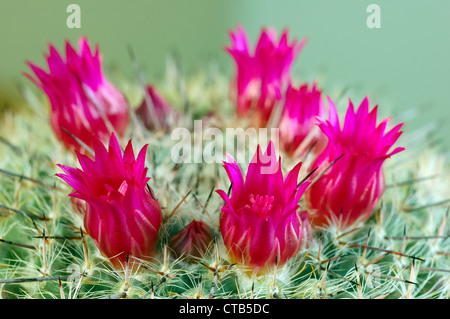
(193, 240)
(261, 76)
(260, 223)
(156, 113)
(298, 130)
(122, 215)
(84, 104)
(349, 190)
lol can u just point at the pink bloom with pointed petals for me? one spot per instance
(193, 240)
(262, 75)
(348, 192)
(122, 215)
(260, 223)
(82, 100)
(298, 130)
(156, 113)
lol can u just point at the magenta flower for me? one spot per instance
(260, 223)
(298, 130)
(348, 192)
(122, 215)
(261, 76)
(83, 102)
(157, 114)
(193, 240)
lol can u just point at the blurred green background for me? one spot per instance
(404, 66)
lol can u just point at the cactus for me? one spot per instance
(401, 251)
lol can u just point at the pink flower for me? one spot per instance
(122, 215)
(348, 192)
(158, 114)
(260, 223)
(263, 75)
(193, 240)
(297, 124)
(82, 100)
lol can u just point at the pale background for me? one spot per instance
(403, 66)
